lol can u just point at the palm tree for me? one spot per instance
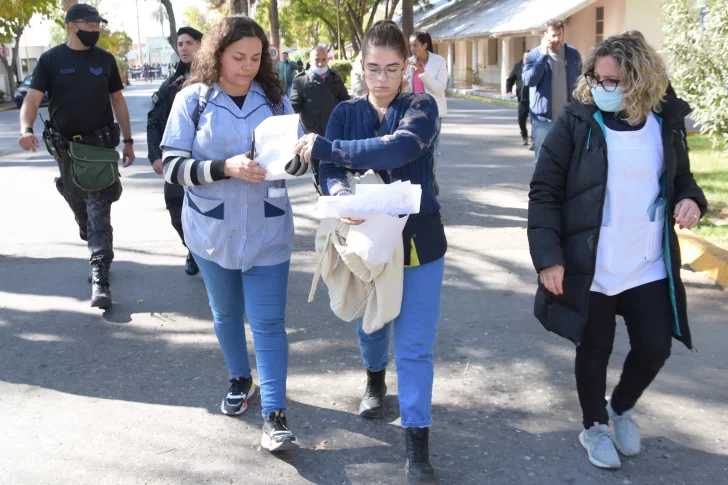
(160, 14)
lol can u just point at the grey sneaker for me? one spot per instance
(626, 432)
(599, 445)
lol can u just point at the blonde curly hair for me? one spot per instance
(644, 75)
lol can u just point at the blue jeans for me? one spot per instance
(415, 330)
(436, 146)
(539, 131)
(261, 294)
(288, 90)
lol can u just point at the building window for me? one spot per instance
(600, 24)
(492, 52)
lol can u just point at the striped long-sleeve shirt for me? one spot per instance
(180, 169)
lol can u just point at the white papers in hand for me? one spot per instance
(376, 239)
(275, 139)
(398, 198)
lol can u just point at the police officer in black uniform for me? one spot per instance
(188, 42)
(84, 89)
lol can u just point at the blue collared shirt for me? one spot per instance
(230, 222)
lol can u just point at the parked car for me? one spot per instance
(23, 90)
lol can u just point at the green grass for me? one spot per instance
(710, 169)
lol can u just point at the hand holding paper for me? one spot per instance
(275, 142)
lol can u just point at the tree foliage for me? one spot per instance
(697, 40)
(196, 18)
(307, 23)
(15, 16)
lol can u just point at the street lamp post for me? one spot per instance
(139, 35)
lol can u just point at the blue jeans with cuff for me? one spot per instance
(261, 294)
(415, 330)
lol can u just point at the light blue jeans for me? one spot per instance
(288, 90)
(261, 294)
(539, 131)
(415, 330)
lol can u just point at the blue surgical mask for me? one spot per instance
(606, 101)
(320, 70)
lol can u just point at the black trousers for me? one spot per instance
(174, 197)
(92, 211)
(647, 312)
(523, 112)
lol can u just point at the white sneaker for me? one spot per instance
(626, 432)
(599, 445)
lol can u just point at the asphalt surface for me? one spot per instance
(131, 396)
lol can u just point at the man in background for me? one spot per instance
(551, 73)
(314, 96)
(287, 70)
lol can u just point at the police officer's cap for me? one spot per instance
(81, 11)
(194, 33)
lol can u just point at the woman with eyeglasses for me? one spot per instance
(394, 134)
(427, 73)
(612, 180)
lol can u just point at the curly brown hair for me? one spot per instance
(206, 66)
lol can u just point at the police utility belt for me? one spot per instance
(93, 168)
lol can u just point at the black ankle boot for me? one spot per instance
(418, 468)
(100, 292)
(191, 265)
(372, 404)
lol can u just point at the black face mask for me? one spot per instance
(89, 39)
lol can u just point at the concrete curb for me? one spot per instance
(483, 99)
(8, 107)
(704, 256)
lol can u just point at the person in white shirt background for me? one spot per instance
(427, 73)
(612, 180)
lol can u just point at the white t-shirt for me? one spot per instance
(629, 252)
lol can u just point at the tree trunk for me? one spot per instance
(172, 39)
(375, 7)
(408, 19)
(275, 30)
(239, 7)
(8, 73)
(392, 9)
(14, 63)
(355, 41)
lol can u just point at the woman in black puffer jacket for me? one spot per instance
(612, 180)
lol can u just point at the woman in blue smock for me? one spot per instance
(394, 134)
(238, 226)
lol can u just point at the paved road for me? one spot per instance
(131, 396)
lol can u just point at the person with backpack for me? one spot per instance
(189, 41)
(238, 226)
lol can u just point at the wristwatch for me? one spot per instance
(129, 141)
(28, 129)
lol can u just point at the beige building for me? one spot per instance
(492, 35)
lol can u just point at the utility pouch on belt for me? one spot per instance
(94, 169)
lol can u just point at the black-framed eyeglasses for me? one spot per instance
(609, 85)
(375, 72)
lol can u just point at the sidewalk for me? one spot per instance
(132, 396)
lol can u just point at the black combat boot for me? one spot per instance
(100, 293)
(372, 404)
(418, 468)
(191, 265)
